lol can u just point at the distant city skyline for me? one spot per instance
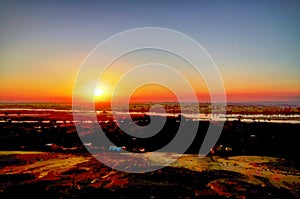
(256, 45)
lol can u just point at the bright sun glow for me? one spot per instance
(98, 92)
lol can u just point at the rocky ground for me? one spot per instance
(70, 175)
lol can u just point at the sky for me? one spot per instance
(255, 45)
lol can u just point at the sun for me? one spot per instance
(101, 93)
(98, 92)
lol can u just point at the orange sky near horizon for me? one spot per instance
(48, 85)
(55, 81)
(155, 94)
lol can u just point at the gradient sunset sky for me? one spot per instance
(256, 45)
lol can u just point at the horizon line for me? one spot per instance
(155, 102)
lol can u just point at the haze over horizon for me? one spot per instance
(255, 45)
